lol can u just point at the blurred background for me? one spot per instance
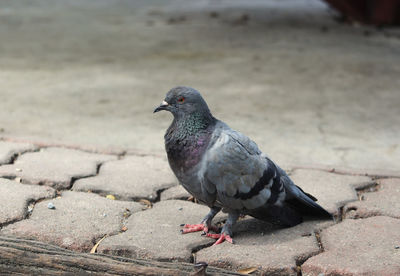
(309, 84)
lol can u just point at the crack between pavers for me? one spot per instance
(44, 145)
(76, 178)
(28, 182)
(30, 203)
(58, 186)
(158, 194)
(153, 199)
(301, 261)
(370, 187)
(122, 155)
(103, 193)
(359, 189)
(119, 152)
(196, 249)
(127, 213)
(16, 155)
(138, 199)
(339, 171)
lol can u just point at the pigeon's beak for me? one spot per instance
(163, 106)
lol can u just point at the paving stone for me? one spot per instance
(272, 249)
(332, 190)
(15, 198)
(77, 221)
(8, 150)
(176, 192)
(54, 167)
(133, 177)
(384, 202)
(155, 233)
(358, 247)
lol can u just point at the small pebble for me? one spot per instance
(397, 247)
(30, 208)
(50, 205)
(180, 209)
(110, 197)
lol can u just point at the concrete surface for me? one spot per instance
(358, 247)
(304, 87)
(127, 180)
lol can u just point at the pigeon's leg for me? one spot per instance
(205, 224)
(226, 233)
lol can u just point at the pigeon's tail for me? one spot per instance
(291, 212)
(305, 203)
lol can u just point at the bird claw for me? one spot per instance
(220, 238)
(189, 228)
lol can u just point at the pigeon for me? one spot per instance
(225, 170)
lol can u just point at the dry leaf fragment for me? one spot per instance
(146, 202)
(124, 228)
(192, 199)
(110, 197)
(248, 270)
(94, 248)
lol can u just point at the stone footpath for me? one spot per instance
(73, 198)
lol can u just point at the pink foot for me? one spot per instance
(189, 228)
(220, 238)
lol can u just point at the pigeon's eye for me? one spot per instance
(181, 100)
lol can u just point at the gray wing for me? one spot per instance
(235, 170)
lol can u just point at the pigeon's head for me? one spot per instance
(182, 100)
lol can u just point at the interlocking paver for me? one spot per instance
(270, 248)
(155, 233)
(358, 247)
(385, 201)
(54, 167)
(15, 197)
(133, 177)
(332, 190)
(78, 220)
(8, 150)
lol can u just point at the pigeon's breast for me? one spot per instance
(184, 155)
